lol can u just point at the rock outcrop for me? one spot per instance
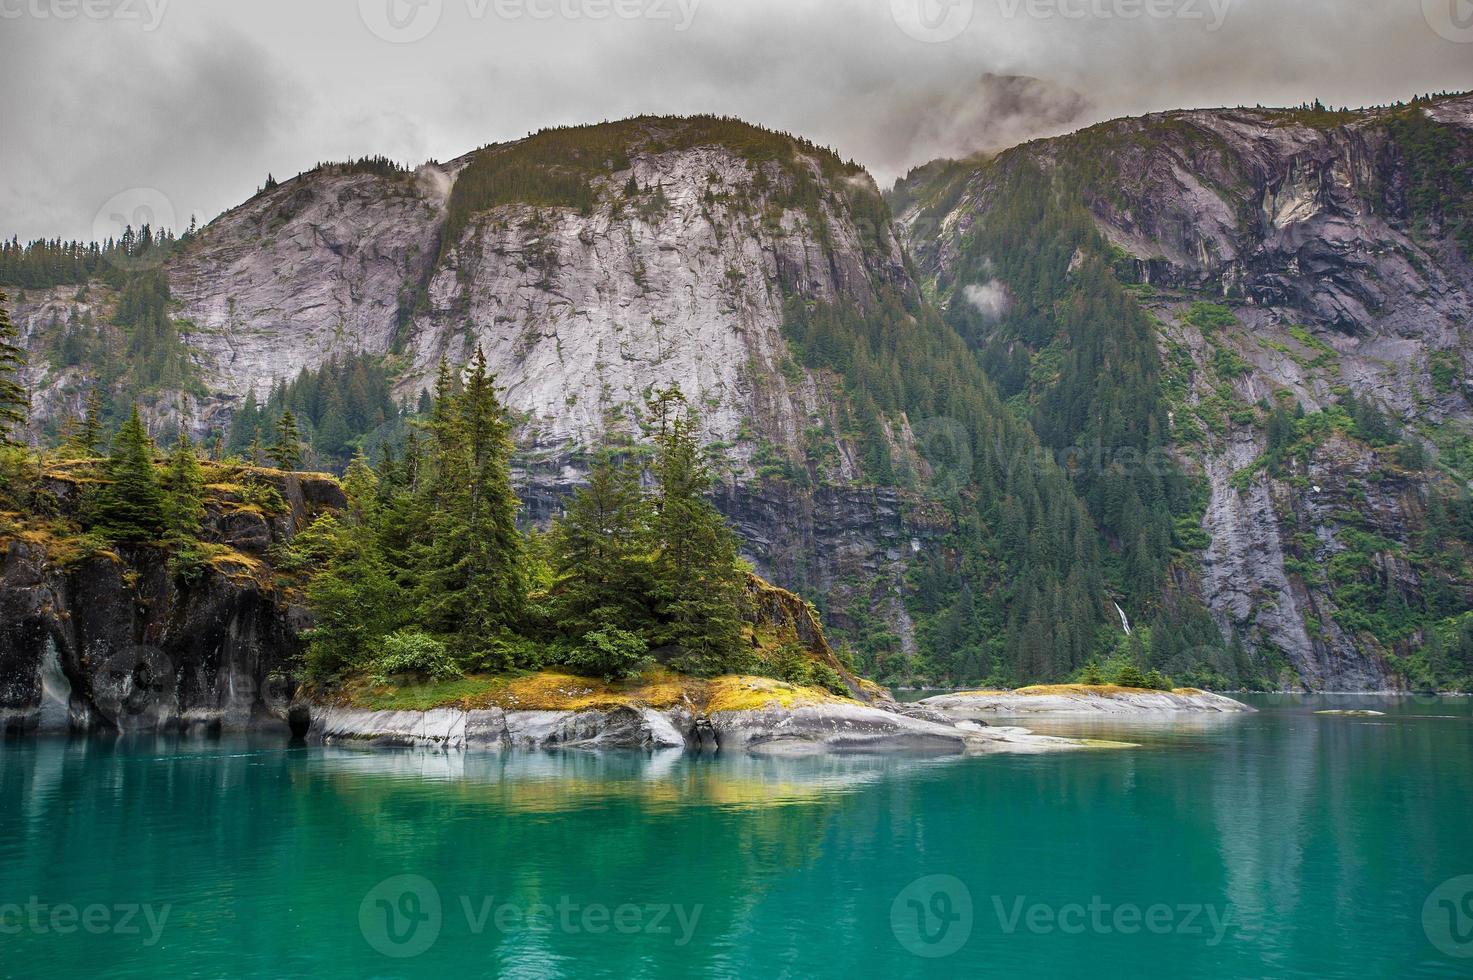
(115, 641)
(1337, 243)
(834, 727)
(1082, 700)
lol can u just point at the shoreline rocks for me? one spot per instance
(810, 729)
(1077, 699)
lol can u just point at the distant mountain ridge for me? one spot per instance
(870, 461)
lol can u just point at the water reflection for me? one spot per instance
(1321, 834)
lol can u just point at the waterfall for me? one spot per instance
(1124, 623)
(54, 711)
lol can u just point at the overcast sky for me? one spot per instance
(183, 106)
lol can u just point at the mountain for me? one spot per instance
(1306, 289)
(1042, 417)
(758, 272)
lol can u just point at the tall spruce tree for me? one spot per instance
(354, 595)
(129, 507)
(89, 435)
(472, 584)
(697, 583)
(601, 553)
(286, 449)
(13, 398)
(184, 509)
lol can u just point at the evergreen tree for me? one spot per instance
(472, 584)
(354, 595)
(130, 505)
(697, 583)
(89, 435)
(257, 451)
(184, 509)
(601, 551)
(13, 398)
(286, 450)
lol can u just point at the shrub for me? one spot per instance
(1156, 680)
(262, 495)
(413, 652)
(1130, 675)
(611, 652)
(828, 678)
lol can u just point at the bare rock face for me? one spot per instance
(115, 642)
(581, 313)
(314, 267)
(1318, 233)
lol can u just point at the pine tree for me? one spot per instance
(697, 582)
(89, 435)
(286, 449)
(184, 509)
(130, 506)
(601, 549)
(472, 584)
(13, 398)
(256, 452)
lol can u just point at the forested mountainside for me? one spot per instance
(891, 411)
(1270, 309)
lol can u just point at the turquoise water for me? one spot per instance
(1280, 844)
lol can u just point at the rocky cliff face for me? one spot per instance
(676, 272)
(1336, 247)
(116, 641)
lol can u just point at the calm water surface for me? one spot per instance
(1280, 844)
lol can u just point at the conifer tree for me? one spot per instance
(130, 506)
(89, 435)
(257, 451)
(286, 450)
(697, 583)
(13, 398)
(355, 598)
(472, 578)
(184, 509)
(601, 552)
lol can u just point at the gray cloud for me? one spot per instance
(224, 91)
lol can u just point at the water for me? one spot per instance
(1280, 844)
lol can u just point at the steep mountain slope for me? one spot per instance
(861, 444)
(1306, 281)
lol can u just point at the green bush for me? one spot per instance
(1130, 675)
(413, 652)
(1156, 680)
(611, 653)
